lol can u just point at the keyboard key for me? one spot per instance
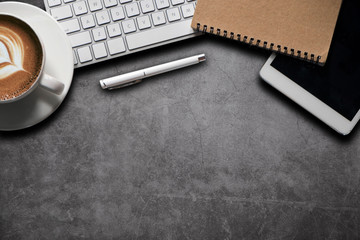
(102, 17)
(70, 26)
(158, 18)
(147, 6)
(117, 13)
(95, 5)
(68, 1)
(53, 3)
(84, 54)
(188, 10)
(143, 22)
(116, 46)
(114, 30)
(159, 34)
(110, 3)
(125, 1)
(99, 34)
(99, 50)
(177, 2)
(80, 8)
(161, 4)
(132, 9)
(129, 26)
(173, 14)
(60, 13)
(87, 21)
(80, 39)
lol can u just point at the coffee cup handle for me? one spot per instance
(51, 84)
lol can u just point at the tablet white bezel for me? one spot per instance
(305, 99)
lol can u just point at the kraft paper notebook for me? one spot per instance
(300, 28)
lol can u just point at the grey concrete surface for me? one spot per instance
(207, 152)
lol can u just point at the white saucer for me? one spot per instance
(39, 104)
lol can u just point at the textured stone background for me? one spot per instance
(207, 152)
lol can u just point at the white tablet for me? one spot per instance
(337, 107)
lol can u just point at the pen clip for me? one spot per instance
(125, 84)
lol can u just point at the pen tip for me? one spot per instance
(103, 85)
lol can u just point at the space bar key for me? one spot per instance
(159, 34)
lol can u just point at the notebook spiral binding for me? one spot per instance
(265, 44)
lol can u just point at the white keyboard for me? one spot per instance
(103, 29)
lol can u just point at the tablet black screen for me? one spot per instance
(337, 84)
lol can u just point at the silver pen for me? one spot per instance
(131, 78)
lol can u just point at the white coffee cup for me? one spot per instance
(43, 80)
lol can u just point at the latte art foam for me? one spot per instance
(11, 52)
(20, 57)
